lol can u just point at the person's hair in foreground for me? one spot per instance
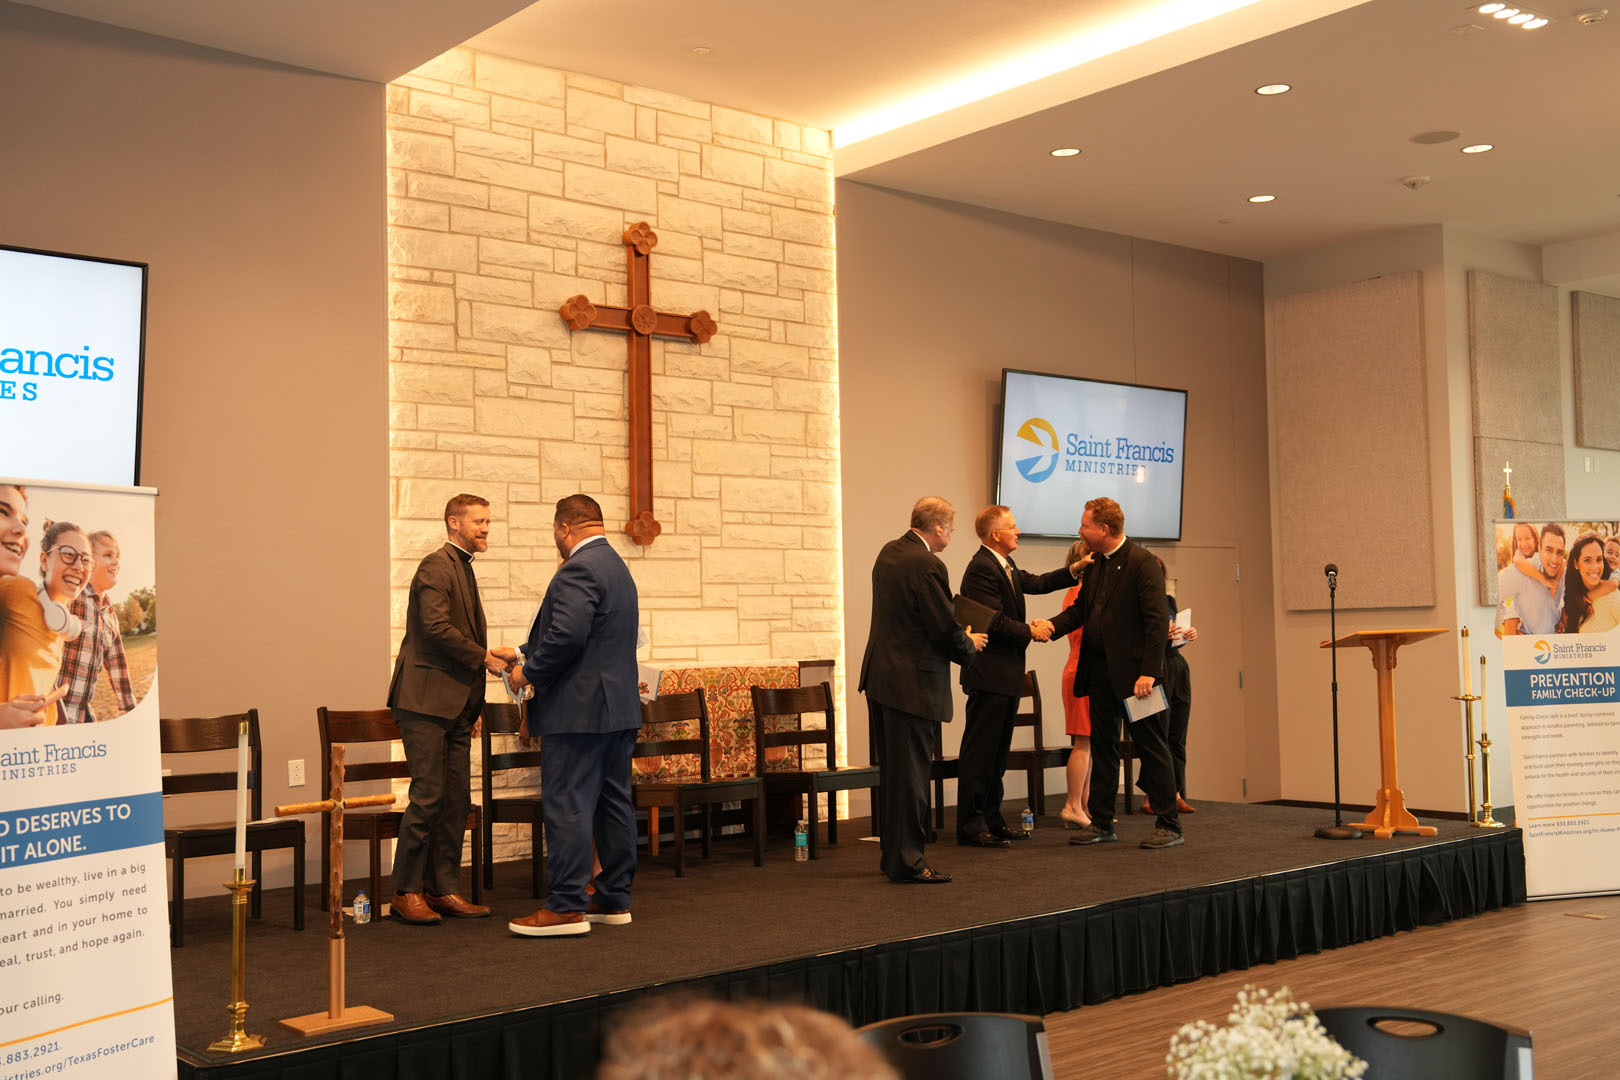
(687, 1039)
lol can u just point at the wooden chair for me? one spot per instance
(373, 826)
(1035, 760)
(506, 718)
(683, 794)
(216, 733)
(807, 781)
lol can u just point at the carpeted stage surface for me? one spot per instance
(725, 915)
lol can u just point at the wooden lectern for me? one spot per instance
(1389, 814)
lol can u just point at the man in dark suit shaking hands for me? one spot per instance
(995, 678)
(906, 676)
(581, 661)
(1121, 605)
(437, 694)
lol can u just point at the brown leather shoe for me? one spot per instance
(455, 906)
(409, 907)
(596, 913)
(548, 923)
(1185, 807)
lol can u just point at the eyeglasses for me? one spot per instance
(72, 556)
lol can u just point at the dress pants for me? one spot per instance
(906, 747)
(438, 751)
(1178, 690)
(982, 762)
(1152, 750)
(585, 792)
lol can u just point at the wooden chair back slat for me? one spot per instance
(671, 709)
(204, 734)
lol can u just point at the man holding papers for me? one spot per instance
(1121, 605)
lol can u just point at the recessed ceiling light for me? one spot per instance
(701, 50)
(1490, 9)
(1478, 148)
(1065, 151)
(1520, 19)
(1272, 89)
(1537, 23)
(1262, 198)
(1504, 13)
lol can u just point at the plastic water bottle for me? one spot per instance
(801, 841)
(362, 908)
(1029, 820)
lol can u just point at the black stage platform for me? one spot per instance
(1040, 928)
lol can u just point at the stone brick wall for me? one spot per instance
(509, 185)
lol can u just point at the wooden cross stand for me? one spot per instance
(337, 1015)
(639, 321)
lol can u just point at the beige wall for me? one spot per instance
(256, 194)
(935, 299)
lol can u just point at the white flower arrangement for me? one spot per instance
(1267, 1037)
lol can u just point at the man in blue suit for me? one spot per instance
(581, 661)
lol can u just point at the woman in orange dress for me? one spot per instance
(1076, 713)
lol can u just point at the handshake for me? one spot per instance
(506, 663)
(1040, 630)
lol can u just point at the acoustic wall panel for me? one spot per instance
(1518, 406)
(1513, 358)
(1350, 397)
(1595, 329)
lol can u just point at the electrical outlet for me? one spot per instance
(295, 773)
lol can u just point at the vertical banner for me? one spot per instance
(1559, 617)
(85, 988)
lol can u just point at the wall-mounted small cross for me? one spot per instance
(640, 321)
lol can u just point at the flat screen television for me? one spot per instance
(1064, 440)
(72, 352)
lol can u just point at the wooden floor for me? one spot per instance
(1541, 966)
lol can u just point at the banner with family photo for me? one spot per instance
(1559, 619)
(85, 988)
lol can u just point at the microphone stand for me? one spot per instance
(1338, 830)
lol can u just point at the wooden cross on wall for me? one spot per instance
(640, 321)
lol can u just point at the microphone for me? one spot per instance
(1331, 570)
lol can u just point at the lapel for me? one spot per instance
(470, 608)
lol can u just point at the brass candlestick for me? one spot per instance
(1485, 820)
(1468, 697)
(237, 1039)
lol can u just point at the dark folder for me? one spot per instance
(970, 612)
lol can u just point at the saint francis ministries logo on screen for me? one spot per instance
(1042, 434)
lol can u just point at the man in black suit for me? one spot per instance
(906, 676)
(1121, 605)
(437, 694)
(996, 677)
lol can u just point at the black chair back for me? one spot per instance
(188, 735)
(794, 702)
(1429, 1045)
(676, 709)
(963, 1046)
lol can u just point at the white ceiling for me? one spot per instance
(1174, 138)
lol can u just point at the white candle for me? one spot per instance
(1467, 686)
(241, 795)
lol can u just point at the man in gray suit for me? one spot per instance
(581, 660)
(906, 676)
(437, 694)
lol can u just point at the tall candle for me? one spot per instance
(241, 794)
(1467, 686)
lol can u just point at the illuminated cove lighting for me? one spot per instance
(1134, 29)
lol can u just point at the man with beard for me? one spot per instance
(437, 695)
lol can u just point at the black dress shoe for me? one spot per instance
(926, 876)
(983, 839)
(1008, 832)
